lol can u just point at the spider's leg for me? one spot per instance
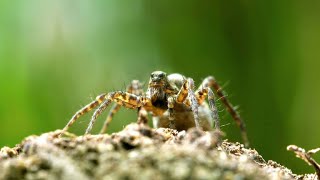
(185, 92)
(180, 98)
(95, 115)
(201, 94)
(171, 102)
(115, 108)
(142, 116)
(99, 99)
(123, 98)
(135, 87)
(213, 108)
(211, 82)
(193, 102)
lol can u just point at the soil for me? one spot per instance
(137, 152)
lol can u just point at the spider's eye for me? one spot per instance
(161, 75)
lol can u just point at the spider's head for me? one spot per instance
(158, 79)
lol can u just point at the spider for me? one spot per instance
(171, 101)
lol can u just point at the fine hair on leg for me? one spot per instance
(230, 108)
(115, 108)
(135, 87)
(193, 102)
(99, 99)
(95, 115)
(125, 99)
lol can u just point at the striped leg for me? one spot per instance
(201, 95)
(211, 82)
(193, 102)
(135, 87)
(95, 115)
(214, 110)
(87, 108)
(115, 108)
(171, 102)
(123, 98)
(185, 92)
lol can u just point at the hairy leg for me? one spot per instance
(115, 108)
(211, 82)
(99, 99)
(213, 108)
(123, 98)
(135, 87)
(96, 113)
(171, 102)
(187, 96)
(193, 102)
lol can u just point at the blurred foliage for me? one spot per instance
(57, 55)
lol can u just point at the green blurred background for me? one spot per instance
(55, 56)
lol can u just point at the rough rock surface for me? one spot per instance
(137, 152)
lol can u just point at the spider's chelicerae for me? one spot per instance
(170, 100)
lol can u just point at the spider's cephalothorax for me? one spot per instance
(159, 90)
(171, 101)
(157, 86)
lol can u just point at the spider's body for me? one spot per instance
(170, 100)
(183, 116)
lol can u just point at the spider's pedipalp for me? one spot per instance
(99, 99)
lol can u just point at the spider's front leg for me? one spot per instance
(210, 82)
(171, 101)
(125, 99)
(203, 92)
(185, 92)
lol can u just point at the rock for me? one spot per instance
(137, 152)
